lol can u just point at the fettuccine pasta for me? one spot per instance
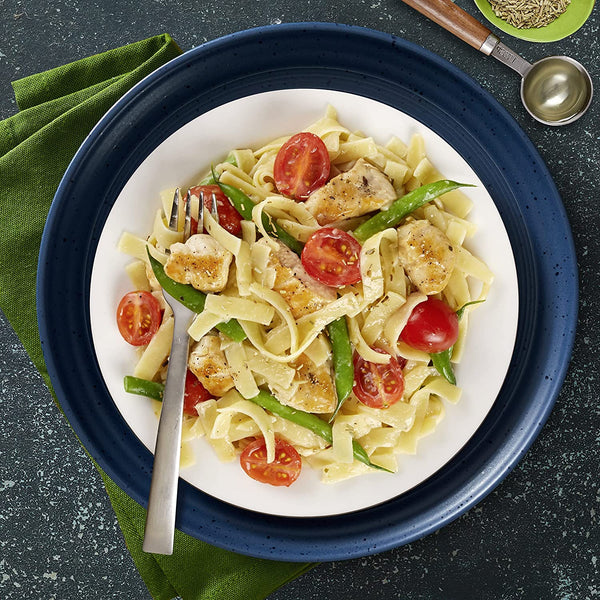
(284, 314)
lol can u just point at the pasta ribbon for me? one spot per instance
(202, 324)
(232, 307)
(473, 266)
(371, 268)
(156, 352)
(135, 246)
(239, 370)
(319, 350)
(227, 240)
(243, 266)
(262, 419)
(237, 178)
(272, 371)
(163, 235)
(362, 347)
(281, 306)
(378, 315)
(137, 274)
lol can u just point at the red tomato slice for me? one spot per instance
(284, 470)
(377, 385)
(432, 326)
(139, 315)
(332, 257)
(194, 392)
(229, 218)
(301, 166)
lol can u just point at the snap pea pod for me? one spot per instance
(441, 360)
(192, 298)
(244, 206)
(311, 422)
(143, 387)
(403, 206)
(343, 368)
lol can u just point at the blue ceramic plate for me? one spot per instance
(367, 64)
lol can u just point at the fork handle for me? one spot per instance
(453, 19)
(162, 501)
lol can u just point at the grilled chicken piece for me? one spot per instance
(362, 189)
(426, 255)
(303, 294)
(316, 392)
(208, 363)
(201, 261)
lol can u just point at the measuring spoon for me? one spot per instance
(555, 90)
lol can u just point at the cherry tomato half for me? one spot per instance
(284, 470)
(332, 257)
(139, 315)
(194, 392)
(301, 166)
(378, 385)
(229, 218)
(432, 326)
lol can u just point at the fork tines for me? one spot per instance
(187, 224)
(174, 218)
(213, 208)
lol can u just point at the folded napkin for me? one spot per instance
(57, 110)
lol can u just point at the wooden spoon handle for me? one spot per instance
(454, 19)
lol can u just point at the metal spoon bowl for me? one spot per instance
(555, 91)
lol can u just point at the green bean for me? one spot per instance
(403, 206)
(311, 422)
(244, 205)
(343, 368)
(441, 361)
(193, 299)
(143, 387)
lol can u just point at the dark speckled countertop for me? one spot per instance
(534, 537)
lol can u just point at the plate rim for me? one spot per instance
(346, 544)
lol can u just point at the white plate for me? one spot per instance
(248, 122)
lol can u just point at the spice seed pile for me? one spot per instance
(529, 14)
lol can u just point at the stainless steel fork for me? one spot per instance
(162, 501)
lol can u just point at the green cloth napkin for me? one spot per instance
(57, 110)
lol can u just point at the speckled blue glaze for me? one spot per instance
(392, 71)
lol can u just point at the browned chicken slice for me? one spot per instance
(201, 262)
(303, 294)
(207, 361)
(362, 189)
(426, 255)
(316, 391)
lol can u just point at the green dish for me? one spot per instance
(569, 22)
